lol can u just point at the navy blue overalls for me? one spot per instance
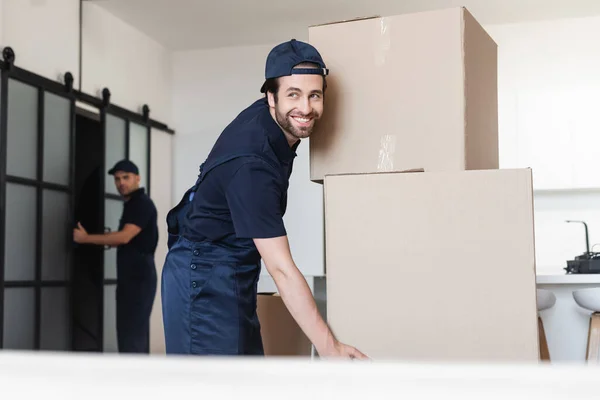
(136, 276)
(209, 287)
(135, 297)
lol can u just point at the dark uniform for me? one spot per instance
(210, 277)
(136, 275)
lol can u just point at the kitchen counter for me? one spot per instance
(564, 279)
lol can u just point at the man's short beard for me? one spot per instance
(286, 124)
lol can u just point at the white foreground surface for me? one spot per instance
(69, 376)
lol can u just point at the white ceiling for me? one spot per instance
(195, 24)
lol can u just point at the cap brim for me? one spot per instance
(127, 171)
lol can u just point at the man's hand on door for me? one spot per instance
(79, 234)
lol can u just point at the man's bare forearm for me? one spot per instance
(295, 293)
(299, 300)
(106, 239)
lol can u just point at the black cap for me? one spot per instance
(124, 166)
(285, 56)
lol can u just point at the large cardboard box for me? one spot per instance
(408, 91)
(433, 266)
(281, 334)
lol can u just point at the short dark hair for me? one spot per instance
(272, 84)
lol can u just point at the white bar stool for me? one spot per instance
(590, 300)
(545, 300)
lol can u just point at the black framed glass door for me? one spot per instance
(37, 196)
(54, 158)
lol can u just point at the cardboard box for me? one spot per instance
(280, 333)
(408, 91)
(433, 266)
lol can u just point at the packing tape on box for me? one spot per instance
(387, 146)
(383, 40)
(387, 149)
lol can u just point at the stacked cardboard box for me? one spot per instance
(281, 334)
(435, 265)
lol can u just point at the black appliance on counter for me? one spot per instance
(586, 263)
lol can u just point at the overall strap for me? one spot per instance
(205, 169)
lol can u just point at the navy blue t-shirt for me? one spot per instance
(245, 197)
(141, 211)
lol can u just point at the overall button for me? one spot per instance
(194, 284)
(193, 266)
(196, 253)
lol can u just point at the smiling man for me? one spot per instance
(233, 217)
(136, 242)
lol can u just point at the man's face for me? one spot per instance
(126, 182)
(299, 105)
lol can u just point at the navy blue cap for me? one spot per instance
(285, 56)
(124, 166)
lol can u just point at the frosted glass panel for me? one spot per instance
(112, 215)
(22, 130)
(138, 150)
(57, 135)
(110, 344)
(115, 147)
(19, 315)
(20, 232)
(56, 236)
(54, 325)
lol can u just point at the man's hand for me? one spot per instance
(80, 235)
(341, 350)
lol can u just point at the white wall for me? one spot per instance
(209, 89)
(45, 37)
(1, 23)
(548, 96)
(43, 34)
(548, 81)
(135, 68)
(162, 173)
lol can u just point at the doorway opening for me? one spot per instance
(88, 274)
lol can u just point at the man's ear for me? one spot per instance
(271, 99)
